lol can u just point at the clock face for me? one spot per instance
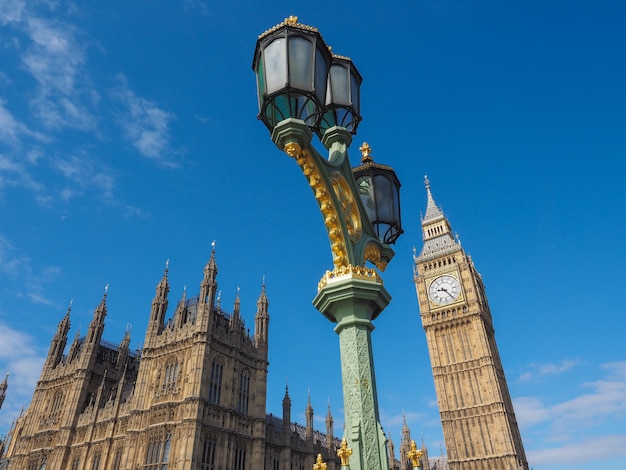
(444, 290)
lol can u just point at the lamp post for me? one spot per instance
(304, 90)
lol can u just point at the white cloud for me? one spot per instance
(145, 124)
(540, 370)
(597, 449)
(12, 131)
(12, 262)
(54, 56)
(11, 11)
(20, 357)
(597, 410)
(86, 173)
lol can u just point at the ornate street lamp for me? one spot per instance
(291, 62)
(343, 100)
(379, 188)
(303, 90)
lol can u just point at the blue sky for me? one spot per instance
(128, 136)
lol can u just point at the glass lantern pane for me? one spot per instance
(260, 81)
(339, 86)
(275, 58)
(321, 75)
(300, 63)
(384, 198)
(355, 92)
(366, 191)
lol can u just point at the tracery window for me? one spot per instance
(240, 458)
(118, 459)
(208, 454)
(171, 372)
(243, 395)
(95, 464)
(158, 454)
(57, 403)
(215, 382)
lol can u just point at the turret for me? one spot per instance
(235, 319)
(208, 286)
(57, 345)
(3, 390)
(391, 451)
(159, 303)
(122, 355)
(261, 319)
(96, 327)
(74, 348)
(180, 316)
(309, 421)
(330, 434)
(405, 446)
(286, 413)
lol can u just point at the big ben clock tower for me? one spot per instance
(479, 425)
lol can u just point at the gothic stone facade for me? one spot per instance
(193, 398)
(479, 425)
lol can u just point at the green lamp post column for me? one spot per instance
(303, 89)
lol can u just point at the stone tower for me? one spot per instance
(479, 425)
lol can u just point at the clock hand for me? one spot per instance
(441, 289)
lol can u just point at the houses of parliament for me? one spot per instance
(194, 396)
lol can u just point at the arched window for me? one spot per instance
(95, 463)
(171, 373)
(158, 453)
(240, 458)
(243, 396)
(215, 382)
(56, 405)
(208, 453)
(117, 462)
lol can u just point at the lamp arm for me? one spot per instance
(352, 237)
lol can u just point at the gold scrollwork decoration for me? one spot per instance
(322, 195)
(357, 272)
(372, 254)
(349, 207)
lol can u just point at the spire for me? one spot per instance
(235, 319)
(96, 327)
(3, 388)
(436, 230)
(309, 418)
(433, 212)
(329, 429)
(57, 346)
(262, 318)
(122, 349)
(160, 302)
(208, 286)
(74, 348)
(237, 306)
(286, 408)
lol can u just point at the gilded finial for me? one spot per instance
(366, 153)
(320, 465)
(415, 454)
(292, 20)
(344, 453)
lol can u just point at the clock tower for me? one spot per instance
(479, 425)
